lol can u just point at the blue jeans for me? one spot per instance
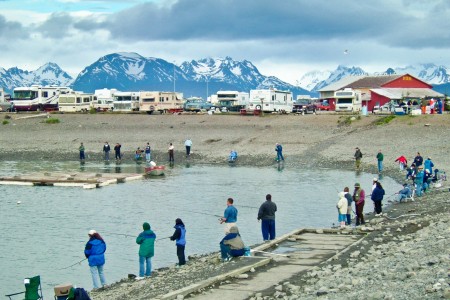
(147, 156)
(106, 155)
(380, 166)
(224, 250)
(419, 187)
(97, 272)
(148, 270)
(268, 229)
(82, 155)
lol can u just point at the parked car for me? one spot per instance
(304, 106)
(323, 105)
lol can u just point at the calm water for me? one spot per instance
(47, 232)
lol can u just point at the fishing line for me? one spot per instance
(203, 213)
(77, 263)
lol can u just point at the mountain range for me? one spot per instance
(133, 72)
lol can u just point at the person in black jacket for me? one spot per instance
(266, 213)
(377, 198)
(180, 237)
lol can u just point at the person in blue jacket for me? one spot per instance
(377, 198)
(279, 150)
(95, 253)
(418, 180)
(232, 245)
(180, 237)
(428, 165)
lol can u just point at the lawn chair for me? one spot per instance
(33, 289)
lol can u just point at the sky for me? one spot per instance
(285, 38)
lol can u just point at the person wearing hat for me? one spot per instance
(358, 197)
(95, 253)
(418, 180)
(232, 245)
(146, 242)
(404, 193)
(377, 198)
(428, 165)
(180, 237)
(358, 157)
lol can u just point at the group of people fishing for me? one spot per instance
(231, 244)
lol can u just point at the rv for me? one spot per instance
(271, 100)
(76, 102)
(161, 101)
(37, 98)
(105, 99)
(347, 100)
(126, 101)
(231, 100)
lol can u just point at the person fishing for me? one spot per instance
(279, 150)
(266, 214)
(358, 156)
(148, 153)
(358, 197)
(232, 245)
(229, 215)
(146, 242)
(106, 150)
(82, 149)
(95, 253)
(377, 198)
(180, 237)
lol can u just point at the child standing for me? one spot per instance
(180, 237)
(342, 209)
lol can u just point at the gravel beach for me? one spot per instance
(403, 258)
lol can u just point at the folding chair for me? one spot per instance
(33, 289)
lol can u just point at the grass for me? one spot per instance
(347, 120)
(5, 122)
(52, 121)
(384, 120)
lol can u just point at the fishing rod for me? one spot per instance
(247, 206)
(203, 213)
(77, 263)
(164, 238)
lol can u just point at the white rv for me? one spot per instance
(347, 100)
(105, 99)
(271, 100)
(76, 102)
(126, 101)
(161, 101)
(231, 100)
(37, 98)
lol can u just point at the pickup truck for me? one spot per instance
(304, 107)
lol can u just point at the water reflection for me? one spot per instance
(56, 226)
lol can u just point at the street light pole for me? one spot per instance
(174, 77)
(207, 87)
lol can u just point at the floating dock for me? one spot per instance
(75, 179)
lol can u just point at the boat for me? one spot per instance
(155, 170)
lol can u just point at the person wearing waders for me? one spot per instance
(146, 242)
(81, 149)
(279, 150)
(358, 157)
(117, 153)
(266, 214)
(380, 158)
(358, 197)
(180, 237)
(229, 216)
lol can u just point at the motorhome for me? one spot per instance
(104, 99)
(76, 102)
(160, 101)
(126, 101)
(37, 97)
(347, 100)
(271, 100)
(231, 100)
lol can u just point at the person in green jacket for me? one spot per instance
(146, 240)
(380, 158)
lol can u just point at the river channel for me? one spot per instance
(44, 229)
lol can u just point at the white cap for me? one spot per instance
(92, 232)
(375, 179)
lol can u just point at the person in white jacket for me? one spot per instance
(342, 209)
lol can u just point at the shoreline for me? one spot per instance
(309, 142)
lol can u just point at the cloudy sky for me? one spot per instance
(284, 38)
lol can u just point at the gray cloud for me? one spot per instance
(11, 30)
(56, 26)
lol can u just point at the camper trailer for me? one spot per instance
(76, 102)
(160, 101)
(37, 97)
(104, 99)
(347, 100)
(271, 100)
(126, 101)
(230, 100)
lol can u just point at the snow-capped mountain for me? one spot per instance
(320, 79)
(48, 74)
(311, 79)
(430, 73)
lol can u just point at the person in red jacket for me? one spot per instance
(402, 162)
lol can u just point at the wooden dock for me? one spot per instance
(74, 179)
